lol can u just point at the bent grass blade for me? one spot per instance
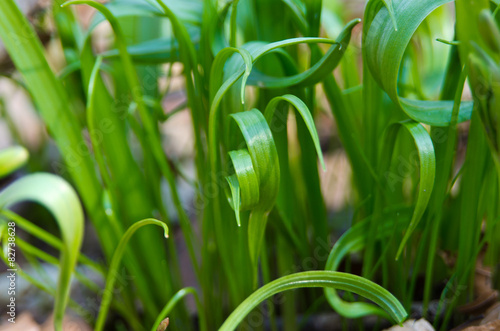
(62, 201)
(384, 50)
(330, 279)
(115, 263)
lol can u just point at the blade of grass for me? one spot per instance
(427, 159)
(115, 263)
(330, 279)
(443, 173)
(174, 300)
(354, 240)
(262, 150)
(61, 200)
(304, 112)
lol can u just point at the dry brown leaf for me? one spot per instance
(493, 314)
(163, 325)
(480, 304)
(492, 326)
(485, 295)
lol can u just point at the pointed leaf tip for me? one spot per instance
(235, 198)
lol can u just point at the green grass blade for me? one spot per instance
(352, 241)
(298, 10)
(235, 198)
(61, 200)
(244, 184)
(255, 55)
(331, 279)
(264, 157)
(114, 265)
(427, 159)
(304, 112)
(445, 154)
(217, 89)
(174, 300)
(233, 23)
(323, 67)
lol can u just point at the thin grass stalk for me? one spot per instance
(113, 268)
(445, 169)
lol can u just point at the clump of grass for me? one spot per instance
(262, 210)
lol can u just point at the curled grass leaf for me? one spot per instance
(489, 31)
(244, 184)
(330, 279)
(255, 184)
(263, 172)
(427, 159)
(262, 150)
(384, 50)
(55, 194)
(217, 87)
(304, 112)
(372, 8)
(323, 67)
(390, 9)
(354, 240)
(235, 198)
(268, 189)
